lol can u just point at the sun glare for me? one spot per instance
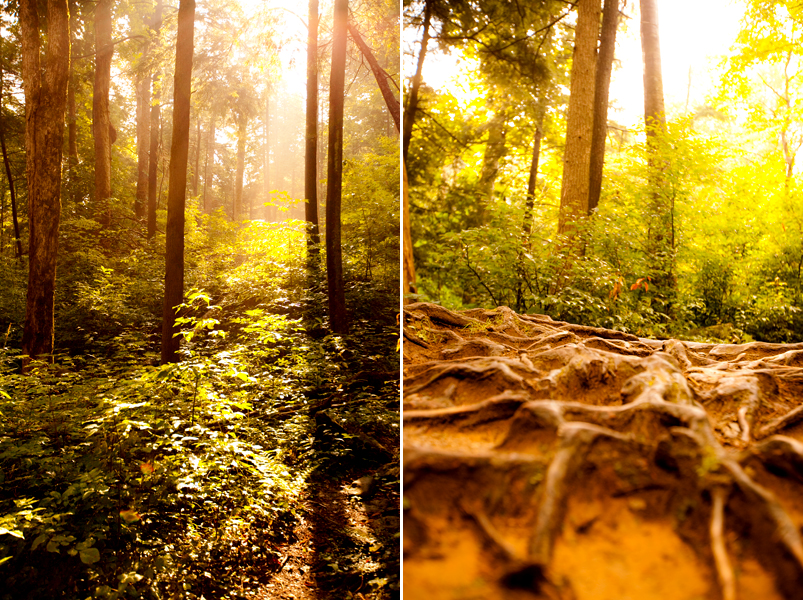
(691, 49)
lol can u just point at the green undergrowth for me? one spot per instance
(121, 478)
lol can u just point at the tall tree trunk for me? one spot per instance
(522, 280)
(143, 86)
(661, 233)
(409, 262)
(177, 186)
(297, 211)
(580, 120)
(72, 121)
(242, 128)
(334, 180)
(787, 147)
(494, 152)
(607, 46)
(412, 100)
(2, 220)
(270, 211)
(101, 123)
(153, 151)
(196, 173)
(654, 112)
(380, 75)
(9, 176)
(45, 100)
(12, 191)
(311, 147)
(529, 204)
(210, 163)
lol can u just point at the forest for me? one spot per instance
(199, 262)
(602, 351)
(707, 245)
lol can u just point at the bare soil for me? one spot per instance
(549, 460)
(343, 543)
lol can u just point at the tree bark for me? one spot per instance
(381, 76)
(409, 261)
(654, 111)
(580, 120)
(607, 47)
(210, 162)
(196, 173)
(101, 123)
(72, 122)
(334, 181)
(242, 128)
(45, 100)
(529, 204)
(412, 100)
(311, 147)
(661, 229)
(9, 175)
(270, 211)
(153, 151)
(12, 192)
(494, 152)
(177, 186)
(143, 87)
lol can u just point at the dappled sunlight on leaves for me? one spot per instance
(121, 477)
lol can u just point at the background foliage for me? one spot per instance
(732, 271)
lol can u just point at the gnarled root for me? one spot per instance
(557, 461)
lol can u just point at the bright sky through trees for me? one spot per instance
(694, 35)
(292, 15)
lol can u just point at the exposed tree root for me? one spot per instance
(545, 460)
(781, 422)
(727, 581)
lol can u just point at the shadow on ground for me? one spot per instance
(346, 542)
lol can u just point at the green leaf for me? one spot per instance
(165, 371)
(89, 556)
(14, 532)
(38, 541)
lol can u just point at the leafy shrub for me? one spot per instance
(120, 478)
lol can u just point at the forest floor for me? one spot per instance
(204, 481)
(226, 475)
(342, 546)
(549, 460)
(322, 522)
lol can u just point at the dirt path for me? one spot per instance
(344, 544)
(549, 460)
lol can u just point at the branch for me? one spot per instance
(114, 43)
(477, 275)
(449, 133)
(394, 107)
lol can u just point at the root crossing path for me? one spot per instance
(550, 460)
